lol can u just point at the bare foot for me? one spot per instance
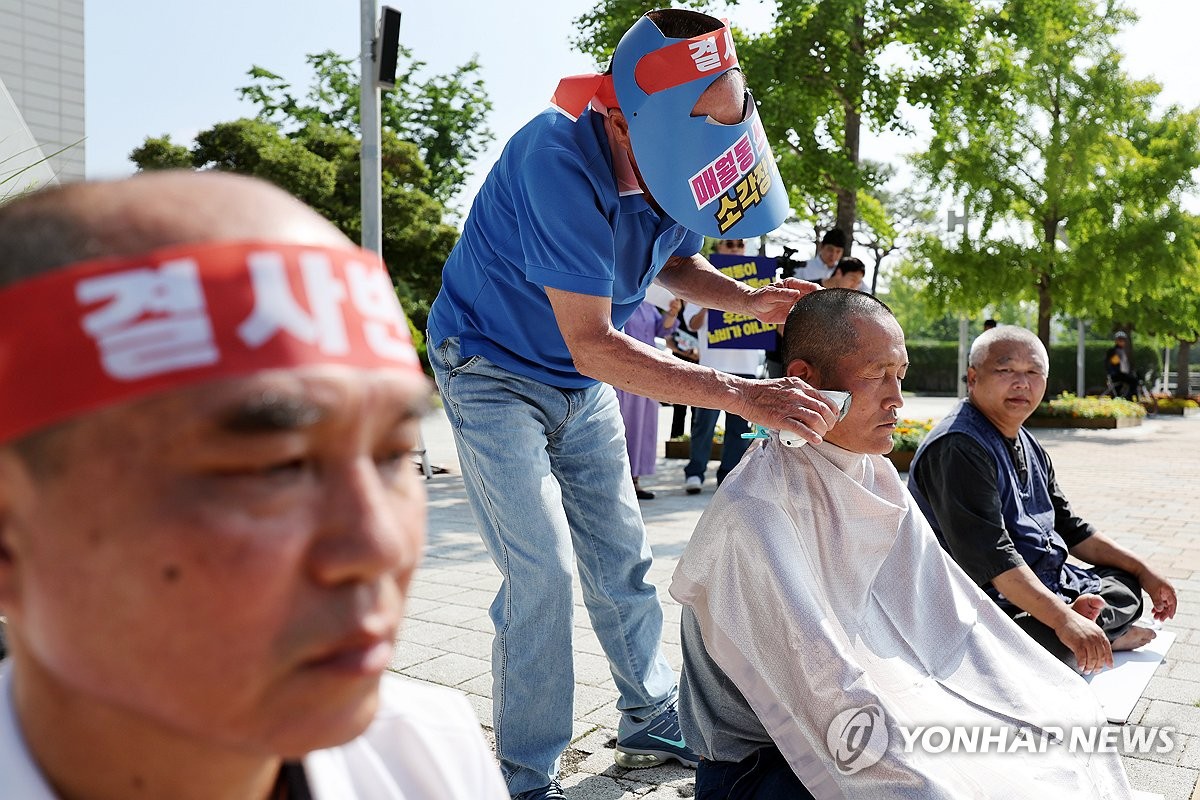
(1133, 638)
(1088, 605)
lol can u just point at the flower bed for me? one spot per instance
(1180, 407)
(1069, 411)
(681, 447)
(906, 438)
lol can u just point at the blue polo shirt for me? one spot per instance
(549, 214)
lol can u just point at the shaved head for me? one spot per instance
(77, 222)
(83, 221)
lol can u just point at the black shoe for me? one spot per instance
(642, 494)
(650, 743)
(552, 792)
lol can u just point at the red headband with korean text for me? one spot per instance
(103, 332)
(665, 68)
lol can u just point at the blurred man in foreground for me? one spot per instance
(208, 515)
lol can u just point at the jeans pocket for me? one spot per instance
(449, 358)
(465, 366)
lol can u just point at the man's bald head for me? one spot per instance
(77, 222)
(84, 221)
(821, 327)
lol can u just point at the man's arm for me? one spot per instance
(605, 354)
(697, 280)
(958, 478)
(1102, 551)
(1083, 636)
(1085, 542)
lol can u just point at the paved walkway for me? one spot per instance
(1141, 484)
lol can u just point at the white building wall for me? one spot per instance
(41, 66)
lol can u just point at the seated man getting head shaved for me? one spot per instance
(823, 623)
(208, 514)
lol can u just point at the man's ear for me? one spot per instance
(620, 127)
(972, 375)
(805, 371)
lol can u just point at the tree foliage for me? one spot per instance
(1071, 176)
(891, 219)
(823, 71)
(443, 115)
(310, 147)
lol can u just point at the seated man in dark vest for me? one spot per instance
(988, 489)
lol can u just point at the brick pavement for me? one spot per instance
(1140, 484)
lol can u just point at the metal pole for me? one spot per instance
(372, 197)
(962, 357)
(953, 220)
(1080, 353)
(370, 164)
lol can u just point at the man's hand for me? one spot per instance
(787, 404)
(772, 303)
(1162, 593)
(1102, 551)
(1085, 639)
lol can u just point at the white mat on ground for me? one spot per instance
(823, 594)
(1119, 688)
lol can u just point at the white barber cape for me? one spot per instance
(424, 744)
(820, 588)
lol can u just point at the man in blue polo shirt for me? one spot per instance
(588, 205)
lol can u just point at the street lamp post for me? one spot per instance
(371, 196)
(953, 220)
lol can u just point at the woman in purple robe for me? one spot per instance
(641, 413)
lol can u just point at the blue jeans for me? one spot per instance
(763, 775)
(547, 475)
(704, 422)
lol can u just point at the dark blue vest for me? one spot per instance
(1026, 505)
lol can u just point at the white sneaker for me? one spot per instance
(692, 483)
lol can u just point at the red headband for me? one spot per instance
(97, 333)
(666, 68)
(708, 54)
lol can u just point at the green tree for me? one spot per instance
(1168, 309)
(906, 295)
(825, 70)
(310, 147)
(889, 219)
(443, 115)
(320, 164)
(1072, 179)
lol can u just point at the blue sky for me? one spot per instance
(168, 67)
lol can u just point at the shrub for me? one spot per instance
(932, 366)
